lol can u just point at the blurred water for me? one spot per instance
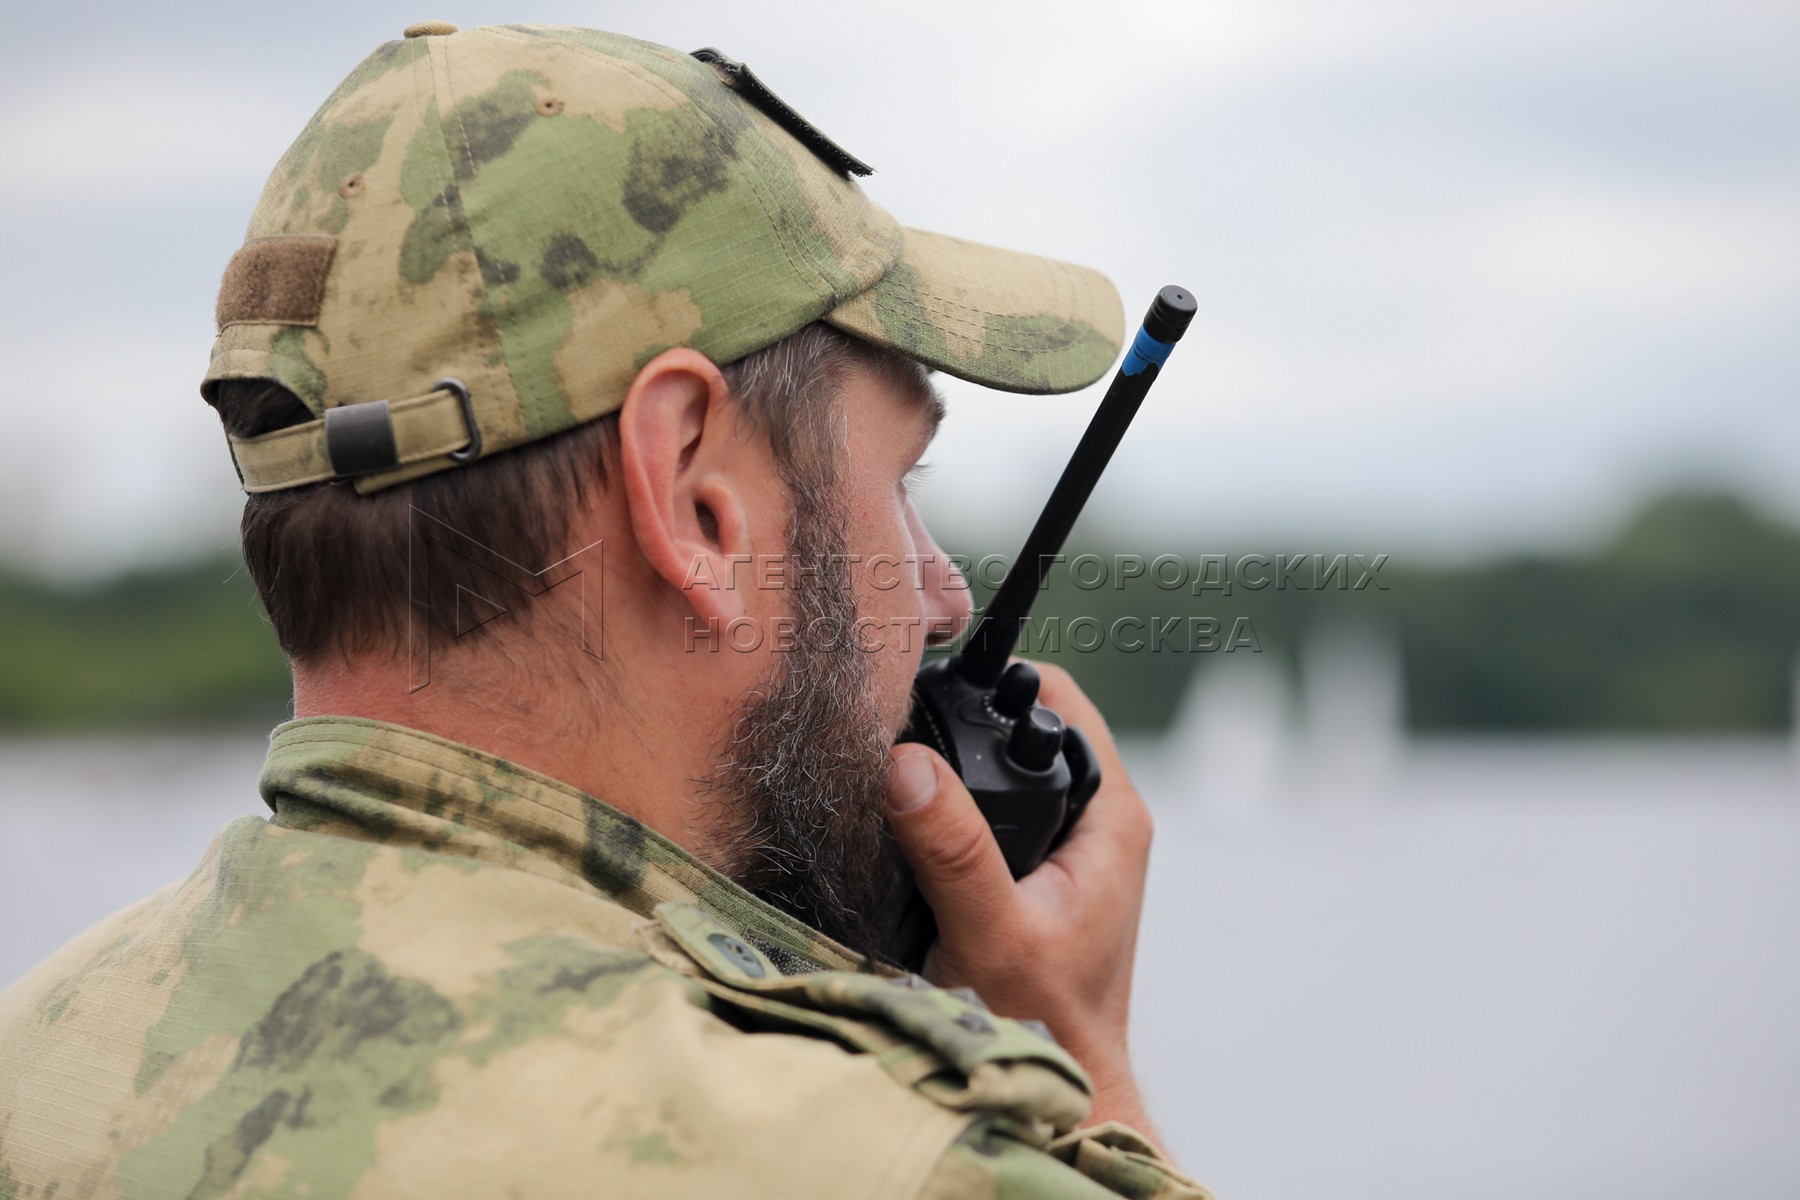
(1518, 969)
(1369, 967)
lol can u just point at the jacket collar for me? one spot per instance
(373, 781)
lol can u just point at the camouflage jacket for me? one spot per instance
(437, 973)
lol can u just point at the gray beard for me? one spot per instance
(804, 775)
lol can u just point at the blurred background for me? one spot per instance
(1479, 879)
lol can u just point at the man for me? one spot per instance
(584, 892)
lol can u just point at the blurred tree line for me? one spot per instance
(174, 647)
(1689, 620)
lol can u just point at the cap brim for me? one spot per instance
(995, 317)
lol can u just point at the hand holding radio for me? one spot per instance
(1057, 944)
(1029, 769)
(1020, 843)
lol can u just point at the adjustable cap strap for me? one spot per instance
(357, 439)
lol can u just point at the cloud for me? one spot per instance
(111, 131)
(115, 459)
(1469, 253)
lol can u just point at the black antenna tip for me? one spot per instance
(1169, 314)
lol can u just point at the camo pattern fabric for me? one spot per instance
(537, 212)
(437, 973)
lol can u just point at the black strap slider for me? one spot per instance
(359, 438)
(740, 79)
(460, 390)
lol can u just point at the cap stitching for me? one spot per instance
(808, 272)
(309, 438)
(805, 268)
(528, 397)
(820, 284)
(808, 269)
(1057, 281)
(464, 237)
(936, 302)
(930, 302)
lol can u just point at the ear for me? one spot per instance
(682, 463)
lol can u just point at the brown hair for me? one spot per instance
(331, 565)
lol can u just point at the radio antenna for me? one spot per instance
(983, 656)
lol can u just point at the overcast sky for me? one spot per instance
(1472, 276)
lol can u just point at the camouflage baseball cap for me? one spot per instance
(481, 237)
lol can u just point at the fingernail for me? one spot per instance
(912, 781)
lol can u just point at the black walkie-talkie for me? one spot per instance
(1030, 774)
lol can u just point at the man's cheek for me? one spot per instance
(892, 670)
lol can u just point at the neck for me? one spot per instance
(649, 758)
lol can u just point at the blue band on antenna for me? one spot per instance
(1145, 351)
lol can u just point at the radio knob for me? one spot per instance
(1016, 691)
(1036, 740)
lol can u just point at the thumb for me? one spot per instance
(955, 860)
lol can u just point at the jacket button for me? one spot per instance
(741, 955)
(974, 1022)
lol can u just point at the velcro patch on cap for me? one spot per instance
(276, 281)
